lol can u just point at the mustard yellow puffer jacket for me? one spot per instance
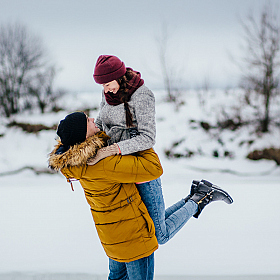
(123, 224)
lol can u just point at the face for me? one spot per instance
(112, 86)
(91, 127)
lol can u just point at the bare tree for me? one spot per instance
(22, 57)
(41, 88)
(170, 76)
(262, 61)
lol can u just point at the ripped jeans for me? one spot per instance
(167, 222)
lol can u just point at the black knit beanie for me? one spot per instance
(73, 129)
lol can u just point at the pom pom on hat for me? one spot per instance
(73, 129)
(108, 68)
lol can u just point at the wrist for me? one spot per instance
(120, 152)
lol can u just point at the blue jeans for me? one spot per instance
(167, 222)
(142, 269)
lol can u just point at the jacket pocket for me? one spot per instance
(149, 222)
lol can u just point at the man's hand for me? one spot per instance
(103, 153)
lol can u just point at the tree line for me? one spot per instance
(27, 76)
(259, 67)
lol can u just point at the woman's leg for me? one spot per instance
(117, 270)
(167, 223)
(142, 269)
(173, 208)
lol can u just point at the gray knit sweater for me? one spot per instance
(111, 119)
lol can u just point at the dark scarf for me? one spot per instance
(133, 84)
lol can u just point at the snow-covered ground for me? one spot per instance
(47, 232)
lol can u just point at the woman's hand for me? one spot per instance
(104, 152)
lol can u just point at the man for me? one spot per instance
(123, 224)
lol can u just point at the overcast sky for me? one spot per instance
(202, 34)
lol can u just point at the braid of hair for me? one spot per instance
(128, 115)
(123, 81)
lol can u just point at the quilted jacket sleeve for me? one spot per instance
(145, 166)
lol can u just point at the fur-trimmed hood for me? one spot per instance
(78, 154)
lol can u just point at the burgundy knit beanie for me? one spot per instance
(108, 68)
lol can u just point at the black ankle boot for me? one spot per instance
(206, 192)
(193, 188)
(207, 183)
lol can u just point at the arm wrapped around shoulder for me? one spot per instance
(104, 152)
(144, 166)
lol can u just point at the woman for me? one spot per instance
(127, 115)
(123, 224)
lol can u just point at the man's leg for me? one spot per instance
(117, 270)
(142, 269)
